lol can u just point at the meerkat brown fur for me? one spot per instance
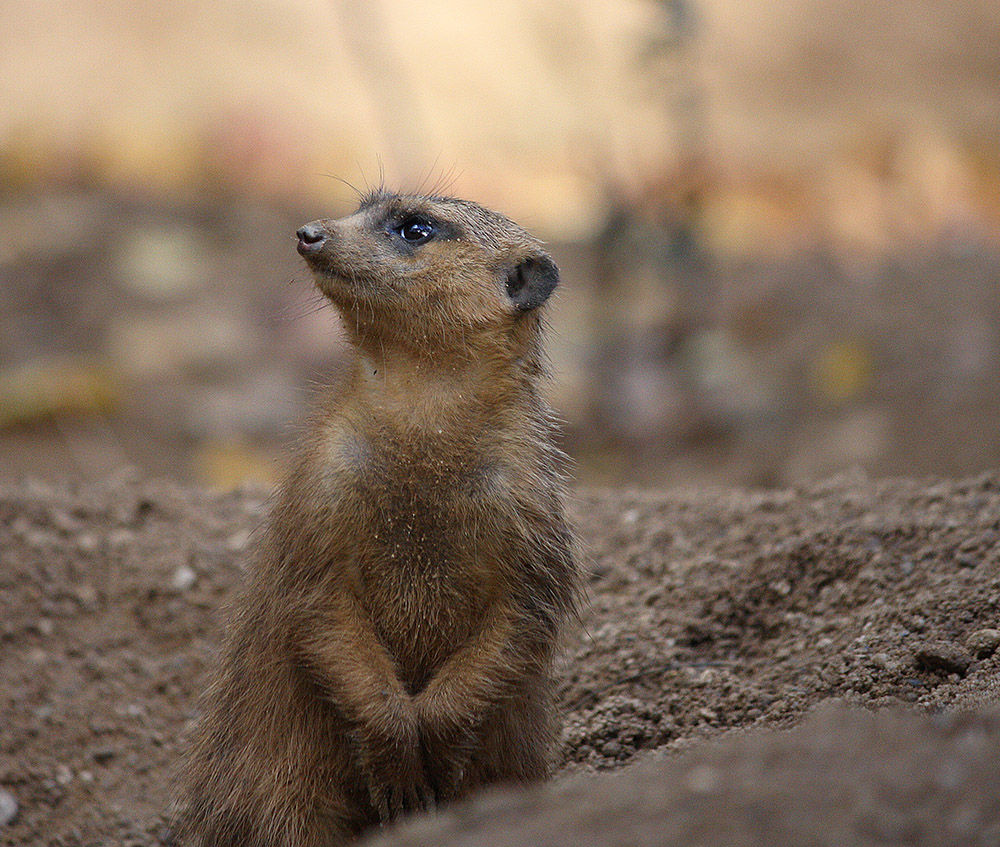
(392, 646)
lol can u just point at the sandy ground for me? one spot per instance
(717, 624)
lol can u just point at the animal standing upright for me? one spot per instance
(393, 643)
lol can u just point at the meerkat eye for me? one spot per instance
(415, 229)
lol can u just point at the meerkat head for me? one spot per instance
(431, 267)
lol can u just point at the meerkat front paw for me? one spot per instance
(446, 759)
(397, 782)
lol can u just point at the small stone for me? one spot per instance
(237, 542)
(184, 577)
(781, 587)
(8, 808)
(983, 643)
(64, 776)
(611, 749)
(85, 593)
(941, 656)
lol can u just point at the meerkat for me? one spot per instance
(392, 647)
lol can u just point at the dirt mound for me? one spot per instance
(844, 777)
(712, 612)
(709, 614)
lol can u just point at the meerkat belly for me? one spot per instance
(431, 565)
(426, 586)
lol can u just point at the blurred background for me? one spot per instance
(778, 222)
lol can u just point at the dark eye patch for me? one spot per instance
(410, 226)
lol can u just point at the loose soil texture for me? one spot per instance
(713, 621)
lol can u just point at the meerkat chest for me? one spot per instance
(429, 531)
(427, 577)
(431, 555)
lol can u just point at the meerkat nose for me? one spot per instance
(311, 238)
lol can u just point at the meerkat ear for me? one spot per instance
(531, 281)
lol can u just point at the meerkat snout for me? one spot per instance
(311, 238)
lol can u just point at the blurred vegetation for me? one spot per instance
(778, 223)
(45, 390)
